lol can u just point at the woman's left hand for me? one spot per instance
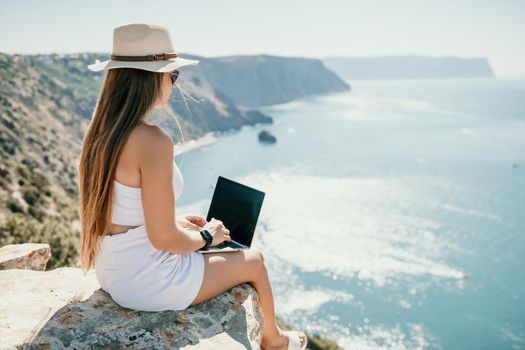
(193, 222)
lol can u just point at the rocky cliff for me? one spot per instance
(65, 308)
(266, 80)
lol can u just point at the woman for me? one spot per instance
(129, 182)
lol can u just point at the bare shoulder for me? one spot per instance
(149, 139)
(146, 134)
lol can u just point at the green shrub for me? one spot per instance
(18, 228)
(63, 240)
(22, 172)
(4, 172)
(31, 194)
(5, 184)
(14, 205)
(37, 212)
(39, 180)
(61, 237)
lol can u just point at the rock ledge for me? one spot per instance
(32, 256)
(65, 308)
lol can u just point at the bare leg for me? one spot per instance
(225, 270)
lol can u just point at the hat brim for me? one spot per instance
(152, 66)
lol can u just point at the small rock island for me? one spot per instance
(267, 137)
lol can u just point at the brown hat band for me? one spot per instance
(162, 56)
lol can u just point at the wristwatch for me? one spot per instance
(207, 237)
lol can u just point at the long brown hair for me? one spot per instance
(126, 97)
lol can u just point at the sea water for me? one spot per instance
(394, 214)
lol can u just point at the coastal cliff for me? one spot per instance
(409, 67)
(266, 80)
(65, 308)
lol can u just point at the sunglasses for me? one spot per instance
(174, 75)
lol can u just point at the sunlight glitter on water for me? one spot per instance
(349, 226)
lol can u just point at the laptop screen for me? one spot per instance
(238, 207)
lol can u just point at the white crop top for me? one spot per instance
(127, 201)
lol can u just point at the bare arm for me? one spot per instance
(158, 199)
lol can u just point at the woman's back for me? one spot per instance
(127, 201)
(127, 211)
(128, 171)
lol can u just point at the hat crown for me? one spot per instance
(138, 39)
(143, 46)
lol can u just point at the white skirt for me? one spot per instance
(140, 277)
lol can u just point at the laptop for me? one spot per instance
(238, 207)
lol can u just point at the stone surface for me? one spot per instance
(65, 308)
(31, 256)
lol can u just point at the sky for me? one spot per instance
(316, 29)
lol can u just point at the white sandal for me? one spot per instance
(294, 342)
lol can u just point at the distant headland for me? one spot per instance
(409, 67)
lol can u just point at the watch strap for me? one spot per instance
(206, 235)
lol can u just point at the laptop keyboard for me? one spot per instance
(230, 244)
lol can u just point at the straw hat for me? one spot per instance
(143, 46)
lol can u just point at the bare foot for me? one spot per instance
(280, 342)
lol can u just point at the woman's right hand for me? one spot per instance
(218, 231)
